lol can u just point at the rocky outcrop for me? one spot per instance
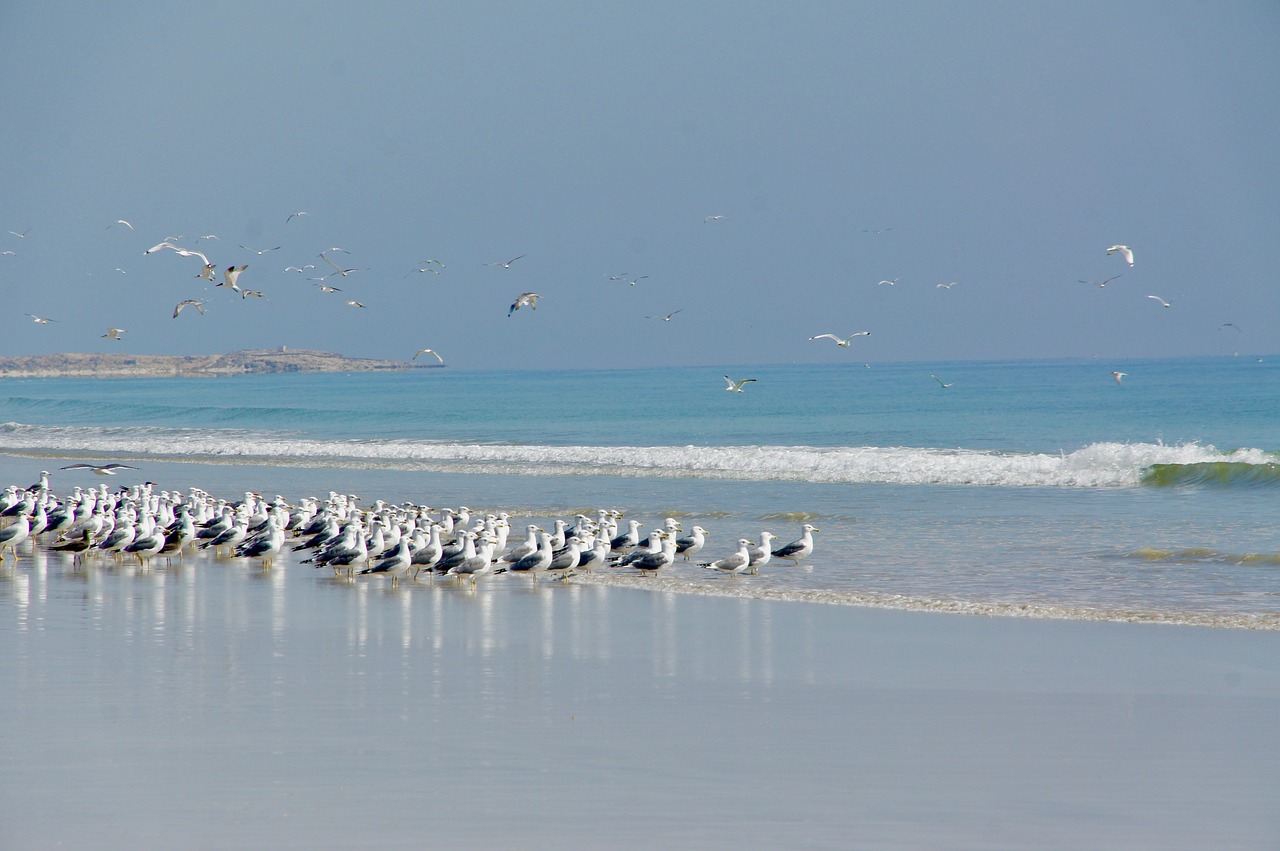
(250, 362)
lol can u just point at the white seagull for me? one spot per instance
(260, 251)
(735, 386)
(735, 563)
(940, 381)
(40, 320)
(889, 283)
(295, 215)
(1163, 303)
(22, 235)
(842, 342)
(232, 274)
(100, 469)
(506, 265)
(524, 299)
(431, 352)
(341, 271)
(119, 222)
(1119, 376)
(1125, 251)
(1103, 282)
(188, 302)
(666, 318)
(113, 333)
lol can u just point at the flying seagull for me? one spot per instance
(1125, 251)
(842, 342)
(1163, 303)
(1104, 281)
(295, 215)
(735, 386)
(113, 333)
(506, 265)
(713, 219)
(100, 469)
(1119, 376)
(260, 251)
(944, 384)
(529, 299)
(40, 320)
(22, 235)
(666, 318)
(354, 303)
(231, 274)
(945, 286)
(119, 222)
(1229, 325)
(189, 302)
(890, 283)
(339, 270)
(431, 352)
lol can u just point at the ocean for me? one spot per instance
(1030, 488)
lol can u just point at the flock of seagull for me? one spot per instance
(394, 540)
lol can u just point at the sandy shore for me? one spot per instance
(217, 705)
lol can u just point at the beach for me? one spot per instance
(216, 704)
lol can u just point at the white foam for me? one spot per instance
(1107, 464)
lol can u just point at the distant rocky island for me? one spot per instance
(250, 362)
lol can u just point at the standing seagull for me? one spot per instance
(842, 342)
(529, 299)
(1125, 251)
(736, 386)
(431, 352)
(801, 548)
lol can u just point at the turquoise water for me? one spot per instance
(1025, 487)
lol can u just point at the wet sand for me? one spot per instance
(217, 705)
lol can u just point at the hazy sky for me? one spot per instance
(1002, 146)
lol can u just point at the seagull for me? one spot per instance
(295, 215)
(261, 251)
(529, 299)
(1229, 325)
(890, 283)
(877, 230)
(1163, 303)
(1103, 282)
(735, 386)
(100, 469)
(114, 333)
(185, 252)
(842, 342)
(1119, 376)
(325, 288)
(621, 277)
(40, 320)
(254, 293)
(207, 236)
(945, 286)
(206, 272)
(632, 282)
(431, 352)
(22, 235)
(506, 265)
(354, 303)
(341, 271)
(713, 219)
(119, 222)
(801, 548)
(940, 381)
(1125, 251)
(735, 563)
(189, 302)
(231, 274)
(666, 318)
(300, 269)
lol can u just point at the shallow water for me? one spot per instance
(215, 704)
